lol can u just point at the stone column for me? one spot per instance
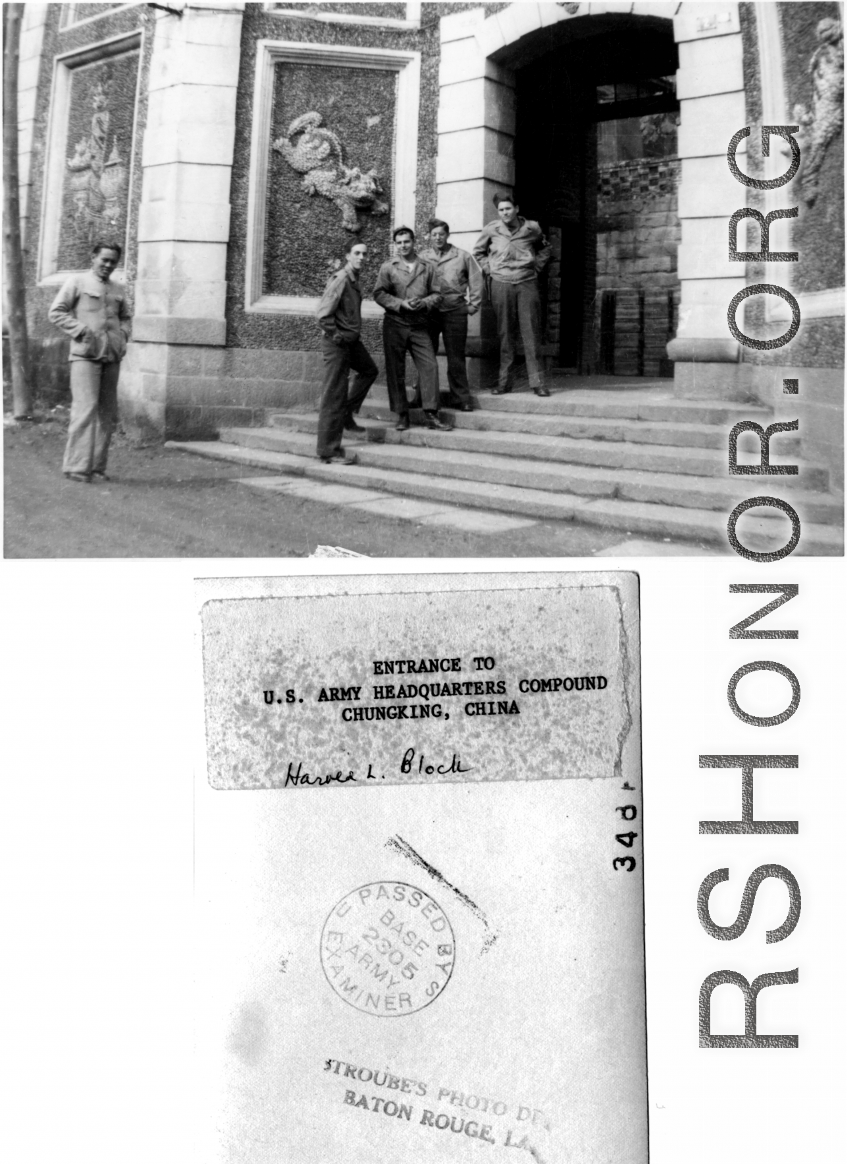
(183, 225)
(710, 86)
(476, 128)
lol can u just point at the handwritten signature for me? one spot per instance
(412, 762)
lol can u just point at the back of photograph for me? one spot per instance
(419, 870)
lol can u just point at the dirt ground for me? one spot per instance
(163, 503)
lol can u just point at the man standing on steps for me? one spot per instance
(406, 288)
(514, 251)
(460, 285)
(340, 317)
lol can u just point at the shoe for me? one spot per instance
(433, 420)
(83, 477)
(99, 475)
(340, 457)
(500, 391)
(402, 423)
(463, 407)
(541, 391)
(351, 426)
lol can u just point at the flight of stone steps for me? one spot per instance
(639, 461)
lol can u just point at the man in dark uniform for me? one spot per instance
(514, 251)
(406, 288)
(340, 317)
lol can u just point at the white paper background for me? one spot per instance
(102, 720)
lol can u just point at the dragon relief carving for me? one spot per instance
(826, 118)
(313, 150)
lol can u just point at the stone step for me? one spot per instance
(680, 523)
(652, 432)
(635, 404)
(674, 489)
(381, 503)
(620, 454)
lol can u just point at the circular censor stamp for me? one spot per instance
(388, 949)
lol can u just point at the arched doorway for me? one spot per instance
(504, 77)
(596, 164)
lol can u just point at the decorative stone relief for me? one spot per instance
(311, 149)
(97, 179)
(826, 118)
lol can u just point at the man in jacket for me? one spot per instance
(460, 285)
(93, 312)
(406, 289)
(340, 319)
(513, 251)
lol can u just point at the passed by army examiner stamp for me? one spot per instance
(388, 949)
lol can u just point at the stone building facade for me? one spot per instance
(234, 148)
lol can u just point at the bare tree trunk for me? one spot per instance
(12, 252)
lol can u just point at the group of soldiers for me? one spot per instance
(427, 295)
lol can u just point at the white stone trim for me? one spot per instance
(412, 21)
(459, 25)
(58, 277)
(699, 21)
(407, 65)
(711, 66)
(32, 42)
(107, 10)
(826, 304)
(57, 138)
(183, 224)
(304, 305)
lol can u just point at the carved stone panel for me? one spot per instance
(814, 74)
(330, 173)
(95, 187)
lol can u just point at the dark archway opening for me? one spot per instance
(596, 164)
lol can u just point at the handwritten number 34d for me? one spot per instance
(627, 840)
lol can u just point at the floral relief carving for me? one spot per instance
(826, 118)
(315, 151)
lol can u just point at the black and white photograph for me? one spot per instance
(457, 280)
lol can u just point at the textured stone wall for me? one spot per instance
(95, 193)
(815, 356)
(818, 233)
(49, 346)
(387, 11)
(85, 11)
(638, 233)
(300, 332)
(305, 232)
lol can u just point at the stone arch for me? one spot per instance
(476, 127)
